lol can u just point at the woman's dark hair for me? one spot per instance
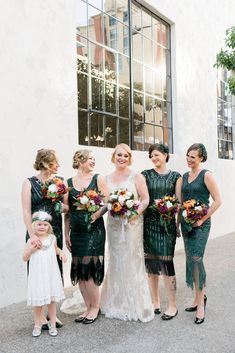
(160, 147)
(201, 150)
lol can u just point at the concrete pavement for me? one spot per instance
(180, 335)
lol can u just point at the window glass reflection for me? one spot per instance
(137, 75)
(110, 7)
(110, 66)
(83, 134)
(124, 131)
(82, 59)
(123, 68)
(124, 102)
(97, 93)
(96, 59)
(110, 98)
(95, 27)
(96, 3)
(138, 113)
(97, 123)
(110, 131)
(82, 83)
(81, 18)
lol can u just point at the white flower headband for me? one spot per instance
(41, 216)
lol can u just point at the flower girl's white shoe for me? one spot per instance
(52, 330)
(36, 331)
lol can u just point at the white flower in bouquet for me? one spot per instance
(130, 203)
(121, 199)
(184, 213)
(198, 208)
(52, 188)
(84, 200)
(169, 204)
(128, 213)
(128, 194)
(109, 206)
(113, 197)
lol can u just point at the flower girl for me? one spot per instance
(44, 281)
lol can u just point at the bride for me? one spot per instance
(125, 293)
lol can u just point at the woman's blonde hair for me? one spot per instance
(80, 157)
(126, 148)
(44, 159)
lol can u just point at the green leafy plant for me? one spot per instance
(226, 58)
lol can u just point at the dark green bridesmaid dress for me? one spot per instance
(159, 244)
(39, 203)
(195, 240)
(87, 239)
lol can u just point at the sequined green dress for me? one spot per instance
(87, 239)
(158, 245)
(195, 240)
(38, 202)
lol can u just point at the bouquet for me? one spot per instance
(89, 201)
(193, 211)
(122, 204)
(167, 207)
(53, 190)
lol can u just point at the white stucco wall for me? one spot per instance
(39, 108)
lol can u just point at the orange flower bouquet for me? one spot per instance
(53, 190)
(89, 200)
(193, 211)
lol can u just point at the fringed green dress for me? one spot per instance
(159, 245)
(87, 240)
(195, 241)
(40, 203)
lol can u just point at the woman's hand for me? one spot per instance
(68, 242)
(33, 247)
(95, 216)
(198, 223)
(133, 219)
(35, 241)
(178, 233)
(64, 208)
(62, 256)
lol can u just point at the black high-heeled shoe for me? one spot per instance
(199, 321)
(194, 308)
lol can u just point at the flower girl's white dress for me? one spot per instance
(44, 281)
(125, 292)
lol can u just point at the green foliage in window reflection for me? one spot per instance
(226, 58)
(104, 99)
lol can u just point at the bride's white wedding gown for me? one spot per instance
(125, 292)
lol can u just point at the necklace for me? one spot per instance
(47, 242)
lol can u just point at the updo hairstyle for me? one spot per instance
(45, 158)
(160, 147)
(126, 148)
(201, 150)
(80, 157)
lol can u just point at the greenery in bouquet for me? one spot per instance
(53, 190)
(193, 211)
(167, 207)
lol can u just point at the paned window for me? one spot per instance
(123, 75)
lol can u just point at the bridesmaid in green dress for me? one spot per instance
(46, 163)
(159, 245)
(85, 235)
(198, 184)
